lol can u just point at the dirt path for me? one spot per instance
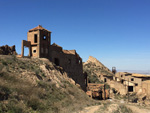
(91, 109)
(113, 106)
(136, 109)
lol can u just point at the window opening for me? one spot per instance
(56, 61)
(34, 51)
(26, 51)
(42, 51)
(46, 51)
(122, 81)
(44, 38)
(132, 79)
(79, 61)
(116, 78)
(35, 38)
(69, 61)
(130, 88)
(105, 80)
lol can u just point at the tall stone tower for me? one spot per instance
(40, 39)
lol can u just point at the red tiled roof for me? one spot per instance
(38, 28)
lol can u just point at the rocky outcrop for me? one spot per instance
(8, 50)
(96, 62)
(95, 67)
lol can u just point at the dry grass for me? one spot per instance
(18, 95)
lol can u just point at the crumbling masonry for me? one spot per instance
(39, 44)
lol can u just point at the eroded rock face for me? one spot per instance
(8, 50)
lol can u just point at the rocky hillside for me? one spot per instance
(37, 85)
(94, 68)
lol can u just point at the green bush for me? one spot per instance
(107, 86)
(14, 106)
(4, 62)
(35, 103)
(93, 79)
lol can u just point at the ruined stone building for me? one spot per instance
(133, 83)
(39, 44)
(8, 50)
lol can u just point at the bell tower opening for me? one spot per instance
(44, 38)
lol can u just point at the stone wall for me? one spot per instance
(140, 83)
(69, 60)
(71, 63)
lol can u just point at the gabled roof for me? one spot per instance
(39, 27)
(54, 44)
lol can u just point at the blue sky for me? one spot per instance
(116, 32)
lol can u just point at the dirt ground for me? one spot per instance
(91, 109)
(136, 109)
(115, 106)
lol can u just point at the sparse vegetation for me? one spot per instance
(124, 109)
(25, 87)
(93, 79)
(94, 71)
(113, 108)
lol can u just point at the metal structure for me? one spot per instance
(114, 70)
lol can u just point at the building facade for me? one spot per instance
(131, 82)
(39, 44)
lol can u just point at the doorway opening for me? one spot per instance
(105, 80)
(26, 51)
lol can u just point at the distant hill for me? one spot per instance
(146, 72)
(94, 68)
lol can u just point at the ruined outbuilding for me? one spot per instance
(97, 91)
(39, 44)
(8, 50)
(133, 83)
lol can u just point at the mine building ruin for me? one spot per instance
(132, 82)
(39, 44)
